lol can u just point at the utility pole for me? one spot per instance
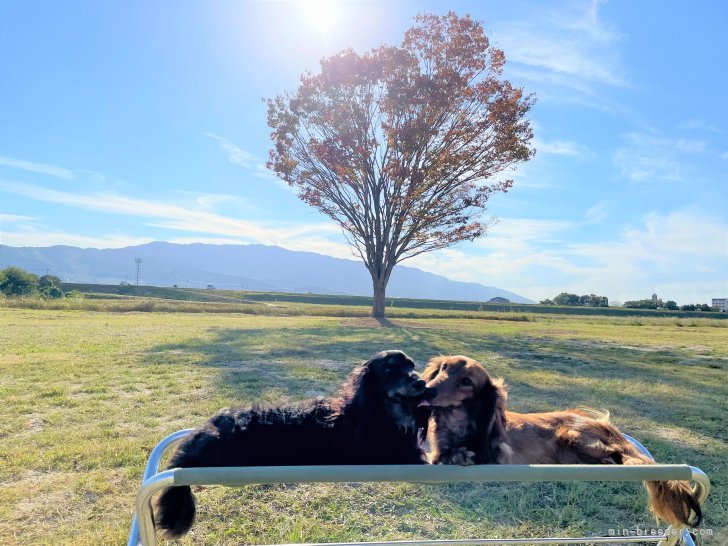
(138, 269)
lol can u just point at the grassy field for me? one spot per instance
(87, 393)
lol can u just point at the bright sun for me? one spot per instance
(320, 15)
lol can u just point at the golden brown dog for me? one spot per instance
(469, 424)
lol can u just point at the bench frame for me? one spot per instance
(142, 529)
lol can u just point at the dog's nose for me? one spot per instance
(429, 393)
(420, 384)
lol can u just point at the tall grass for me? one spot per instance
(278, 298)
(125, 304)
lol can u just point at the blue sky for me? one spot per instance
(127, 122)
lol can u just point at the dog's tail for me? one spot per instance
(175, 511)
(673, 501)
(600, 442)
(205, 447)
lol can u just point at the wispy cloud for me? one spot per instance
(530, 46)
(247, 160)
(235, 154)
(41, 168)
(520, 230)
(11, 218)
(665, 234)
(52, 238)
(566, 53)
(261, 171)
(701, 125)
(210, 201)
(659, 254)
(599, 212)
(566, 39)
(510, 248)
(587, 20)
(648, 156)
(560, 147)
(316, 237)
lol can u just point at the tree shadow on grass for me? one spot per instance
(385, 322)
(294, 362)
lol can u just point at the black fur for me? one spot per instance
(370, 421)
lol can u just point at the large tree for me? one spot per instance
(17, 282)
(401, 146)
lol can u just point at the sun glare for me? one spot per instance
(320, 15)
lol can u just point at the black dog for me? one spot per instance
(370, 421)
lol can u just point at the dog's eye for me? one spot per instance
(443, 367)
(466, 382)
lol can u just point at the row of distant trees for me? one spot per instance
(669, 304)
(15, 282)
(590, 300)
(697, 307)
(653, 304)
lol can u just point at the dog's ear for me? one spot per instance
(488, 413)
(433, 368)
(353, 393)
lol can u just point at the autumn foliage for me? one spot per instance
(402, 146)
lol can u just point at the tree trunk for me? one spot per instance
(380, 287)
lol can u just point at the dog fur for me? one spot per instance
(370, 421)
(469, 424)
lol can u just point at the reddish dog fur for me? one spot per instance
(469, 424)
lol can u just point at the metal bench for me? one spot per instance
(142, 528)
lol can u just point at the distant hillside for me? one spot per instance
(249, 267)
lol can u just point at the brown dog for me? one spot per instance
(469, 424)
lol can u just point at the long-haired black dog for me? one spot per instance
(371, 420)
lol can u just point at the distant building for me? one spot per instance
(654, 298)
(499, 300)
(720, 304)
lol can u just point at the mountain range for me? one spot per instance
(236, 267)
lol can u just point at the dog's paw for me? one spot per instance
(462, 456)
